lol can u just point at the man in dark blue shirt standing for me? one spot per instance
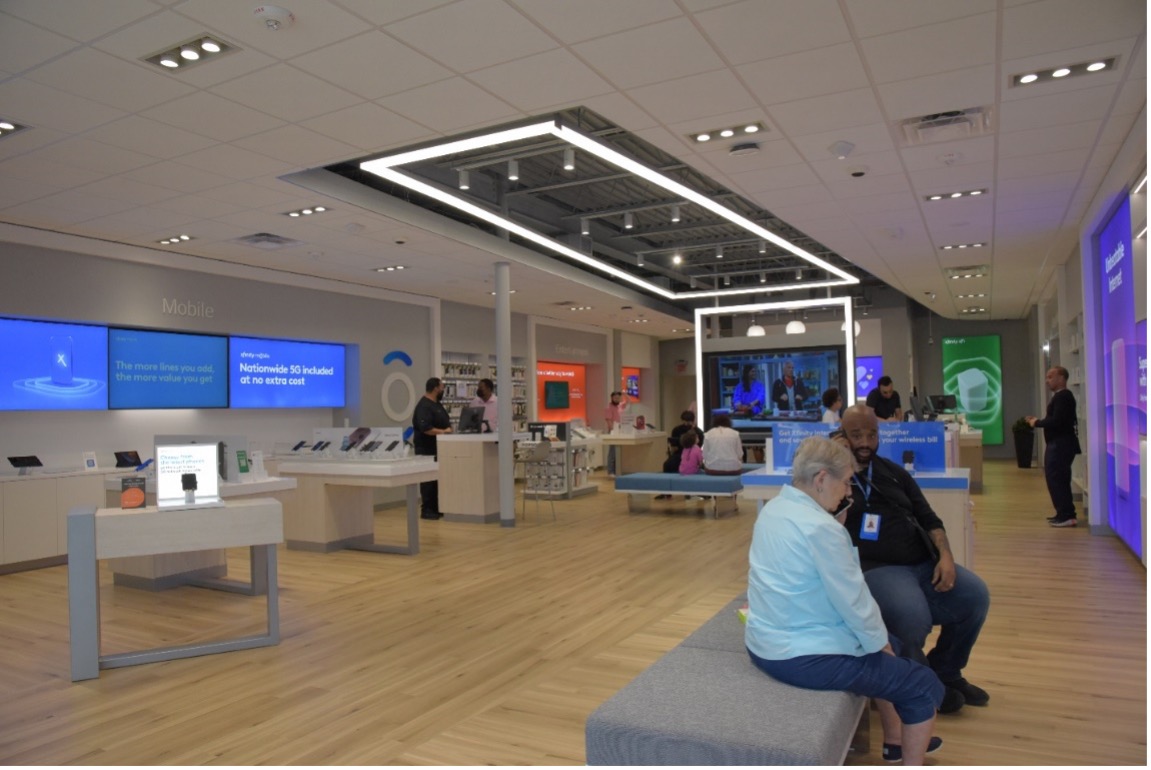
(428, 421)
(1061, 435)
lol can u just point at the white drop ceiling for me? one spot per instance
(119, 150)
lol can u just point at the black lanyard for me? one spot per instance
(865, 485)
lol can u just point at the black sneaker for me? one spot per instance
(431, 515)
(1068, 522)
(893, 753)
(972, 695)
(953, 700)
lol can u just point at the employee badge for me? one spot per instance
(869, 529)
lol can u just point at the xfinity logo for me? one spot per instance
(188, 309)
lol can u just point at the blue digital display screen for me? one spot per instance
(868, 370)
(166, 370)
(47, 366)
(278, 374)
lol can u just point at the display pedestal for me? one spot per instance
(470, 486)
(641, 452)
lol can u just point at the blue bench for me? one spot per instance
(704, 703)
(641, 487)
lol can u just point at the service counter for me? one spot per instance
(948, 493)
(639, 452)
(470, 476)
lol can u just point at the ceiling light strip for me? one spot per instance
(461, 145)
(619, 159)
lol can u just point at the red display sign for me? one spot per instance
(549, 378)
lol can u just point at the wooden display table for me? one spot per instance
(971, 456)
(639, 452)
(110, 533)
(470, 485)
(333, 508)
(947, 493)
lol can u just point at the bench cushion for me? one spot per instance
(699, 706)
(725, 631)
(702, 484)
(644, 482)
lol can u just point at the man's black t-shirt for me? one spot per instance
(429, 414)
(901, 506)
(884, 407)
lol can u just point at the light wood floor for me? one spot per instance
(494, 644)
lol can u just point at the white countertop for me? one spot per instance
(228, 489)
(481, 438)
(377, 469)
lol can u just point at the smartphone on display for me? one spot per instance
(61, 360)
(392, 445)
(317, 446)
(298, 446)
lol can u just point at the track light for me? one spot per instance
(763, 277)
(584, 226)
(799, 274)
(727, 280)
(465, 179)
(628, 221)
(513, 170)
(675, 213)
(569, 159)
(677, 259)
(762, 246)
(639, 260)
(719, 252)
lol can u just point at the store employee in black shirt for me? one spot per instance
(908, 565)
(428, 421)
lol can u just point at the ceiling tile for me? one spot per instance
(196, 207)
(109, 80)
(576, 22)
(27, 190)
(1037, 165)
(23, 46)
(752, 30)
(128, 190)
(693, 97)
(958, 90)
(980, 149)
(870, 204)
(1052, 25)
(879, 17)
(90, 205)
(809, 73)
(928, 50)
(1049, 139)
(449, 105)
(569, 81)
(882, 175)
(778, 178)
(37, 105)
(212, 116)
(37, 166)
(472, 34)
(621, 110)
(828, 113)
(149, 137)
(232, 162)
(101, 158)
(383, 66)
(671, 49)
(867, 140)
(368, 127)
(385, 13)
(138, 221)
(84, 21)
(770, 155)
(175, 176)
(961, 176)
(287, 93)
(318, 23)
(1053, 201)
(37, 214)
(1042, 111)
(297, 147)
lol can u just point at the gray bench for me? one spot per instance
(705, 703)
(641, 487)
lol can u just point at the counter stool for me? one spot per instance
(535, 456)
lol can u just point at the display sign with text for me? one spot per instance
(50, 366)
(575, 376)
(264, 374)
(973, 373)
(166, 370)
(921, 444)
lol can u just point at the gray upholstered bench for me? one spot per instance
(640, 487)
(705, 703)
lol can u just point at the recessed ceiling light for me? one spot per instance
(676, 259)
(175, 239)
(390, 268)
(210, 45)
(306, 211)
(510, 291)
(8, 127)
(751, 129)
(727, 132)
(1031, 77)
(960, 194)
(190, 52)
(703, 137)
(168, 60)
(1096, 66)
(1063, 71)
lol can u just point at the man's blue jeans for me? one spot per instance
(911, 606)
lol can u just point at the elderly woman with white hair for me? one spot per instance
(812, 622)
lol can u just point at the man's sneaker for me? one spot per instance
(953, 700)
(1069, 522)
(972, 695)
(893, 753)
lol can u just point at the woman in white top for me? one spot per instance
(832, 403)
(722, 448)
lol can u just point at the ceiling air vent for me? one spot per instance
(267, 241)
(946, 126)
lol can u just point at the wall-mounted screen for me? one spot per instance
(556, 395)
(629, 382)
(868, 370)
(166, 370)
(759, 389)
(52, 366)
(265, 374)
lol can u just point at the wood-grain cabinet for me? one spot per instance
(34, 516)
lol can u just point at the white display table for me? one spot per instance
(470, 481)
(206, 569)
(111, 533)
(947, 493)
(332, 507)
(640, 452)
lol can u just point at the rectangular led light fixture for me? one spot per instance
(388, 167)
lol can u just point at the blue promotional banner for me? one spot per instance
(1124, 419)
(922, 443)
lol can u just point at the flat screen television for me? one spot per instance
(944, 403)
(556, 395)
(270, 374)
(49, 366)
(471, 419)
(762, 388)
(166, 370)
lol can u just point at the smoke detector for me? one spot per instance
(274, 17)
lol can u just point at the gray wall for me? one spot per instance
(55, 285)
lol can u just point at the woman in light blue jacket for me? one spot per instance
(811, 620)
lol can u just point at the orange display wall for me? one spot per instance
(575, 375)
